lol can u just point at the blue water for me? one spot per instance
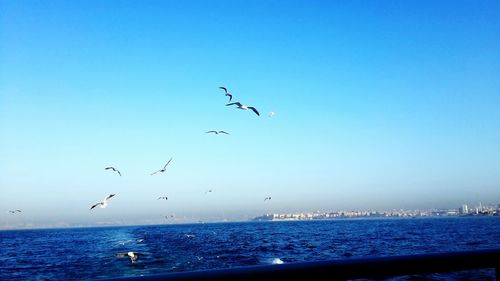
(90, 253)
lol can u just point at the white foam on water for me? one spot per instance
(277, 261)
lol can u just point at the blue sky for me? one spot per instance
(382, 105)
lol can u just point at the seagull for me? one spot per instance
(133, 255)
(14, 211)
(162, 197)
(227, 93)
(271, 114)
(113, 168)
(217, 132)
(140, 240)
(164, 167)
(104, 202)
(267, 198)
(244, 107)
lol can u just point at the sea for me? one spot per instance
(91, 253)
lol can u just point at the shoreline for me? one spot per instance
(247, 221)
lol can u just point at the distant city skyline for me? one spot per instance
(377, 105)
(490, 208)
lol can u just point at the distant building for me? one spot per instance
(463, 210)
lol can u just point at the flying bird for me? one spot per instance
(103, 203)
(113, 168)
(217, 132)
(162, 197)
(133, 255)
(271, 114)
(228, 94)
(164, 168)
(14, 211)
(244, 107)
(267, 198)
(208, 191)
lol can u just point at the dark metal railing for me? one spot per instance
(353, 268)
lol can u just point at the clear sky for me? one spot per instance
(378, 105)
